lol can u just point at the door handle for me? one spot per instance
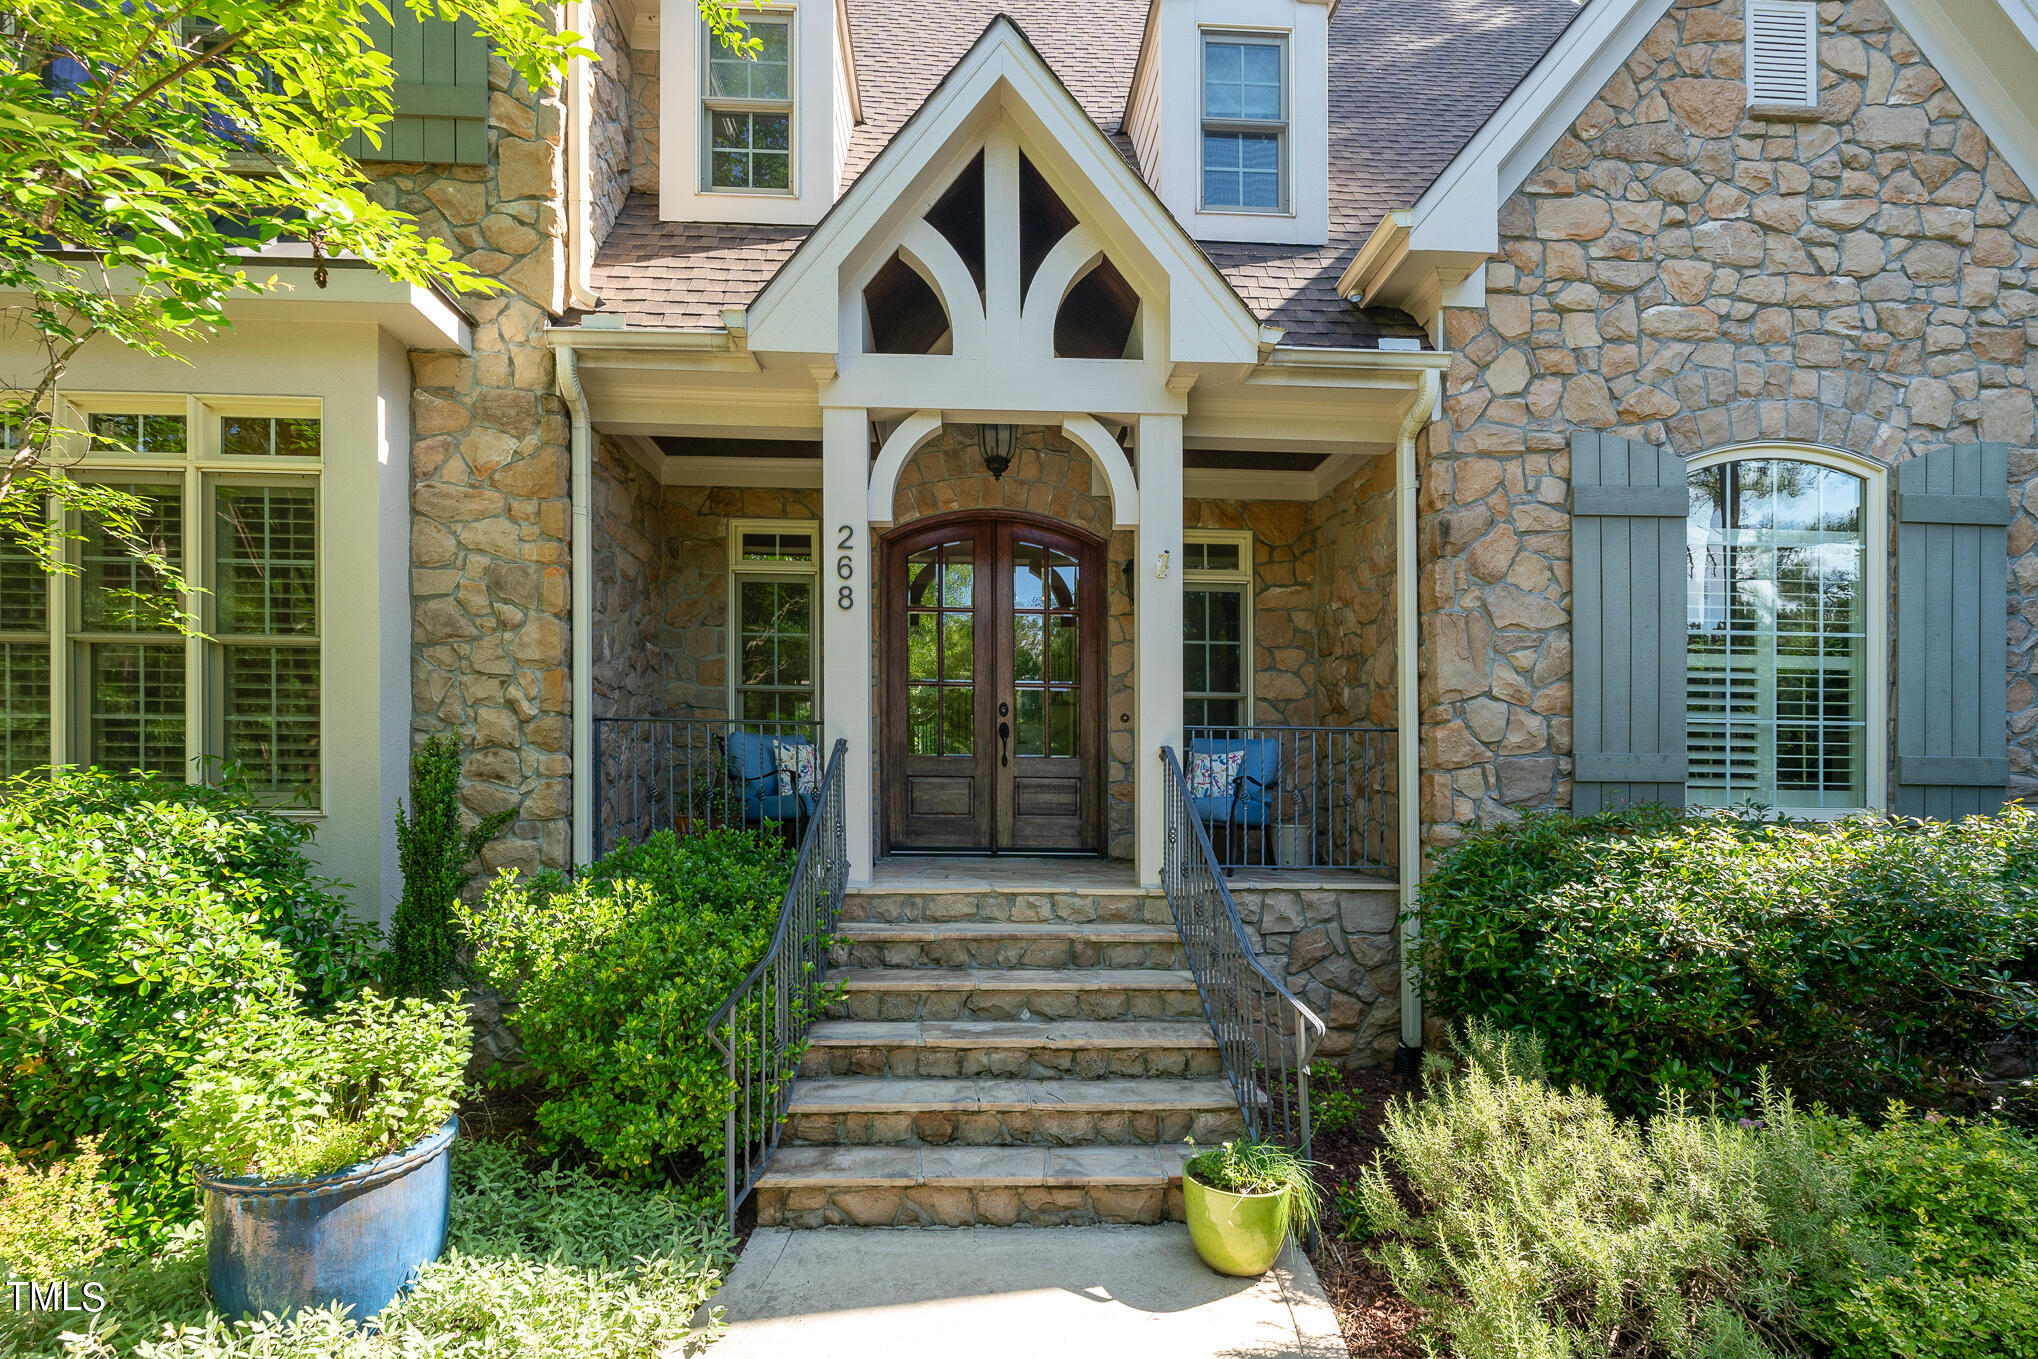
(1004, 743)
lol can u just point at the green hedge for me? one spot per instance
(1862, 961)
(134, 917)
(613, 977)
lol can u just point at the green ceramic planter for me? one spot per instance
(1239, 1234)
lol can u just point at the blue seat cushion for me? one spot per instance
(753, 764)
(1251, 791)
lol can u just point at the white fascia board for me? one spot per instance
(787, 473)
(1460, 210)
(1987, 53)
(796, 311)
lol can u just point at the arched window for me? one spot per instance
(1787, 605)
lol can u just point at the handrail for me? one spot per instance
(761, 1029)
(1261, 1026)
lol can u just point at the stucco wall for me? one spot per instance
(1679, 271)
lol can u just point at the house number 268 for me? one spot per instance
(845, 569)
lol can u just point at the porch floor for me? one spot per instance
(1023, 873)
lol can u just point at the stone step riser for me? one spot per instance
(1015, 1128)
(1040, 1064)
(940, 1206)
(1019, 908)
(1107, 1003)
(1006, 953)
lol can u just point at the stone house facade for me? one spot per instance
(1367, 373)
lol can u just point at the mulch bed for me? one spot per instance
(1377, 1323)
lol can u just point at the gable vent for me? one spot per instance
(1783, 52)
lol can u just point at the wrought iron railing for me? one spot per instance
(761, 1029)
(1265, 1034)
(684, 774)
(1300, 797)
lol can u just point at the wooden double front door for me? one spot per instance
(992, 686)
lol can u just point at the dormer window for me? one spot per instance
(747, 111)
(1245, 123)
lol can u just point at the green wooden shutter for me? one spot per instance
(1629, 501)
(441, 90)
(1952, 630)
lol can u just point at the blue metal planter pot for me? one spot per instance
(356, 1236)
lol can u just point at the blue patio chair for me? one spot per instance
(1250, 806)
(753, 767)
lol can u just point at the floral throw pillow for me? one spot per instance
(1214, 775)
(798, 771)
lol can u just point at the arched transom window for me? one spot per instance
(1782, 618)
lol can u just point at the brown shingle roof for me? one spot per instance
(1411, 81)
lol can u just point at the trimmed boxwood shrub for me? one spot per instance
(1652, 951)
(134, 917)
(613, 977)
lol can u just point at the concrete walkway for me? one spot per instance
(999, 1292)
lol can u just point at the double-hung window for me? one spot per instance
(1245, 123)
(747, 110)
(94, 670)
(1781, 599)
(772, 584)
(1217, 629)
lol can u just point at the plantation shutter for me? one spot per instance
(1952, 631)
(1629, 501)
(441, 90)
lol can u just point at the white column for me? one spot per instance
(1001, 237)
(1158, 621)
(846, 704)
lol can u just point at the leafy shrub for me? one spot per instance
(1950, 1265)
(1538, 1223)
(433, 852)
(539, 1264)
(1333, 1110)
(1250, 1167)
(614, 977)
(1860, 961)
(135, 917)
(282, 1095)
(54, 1220)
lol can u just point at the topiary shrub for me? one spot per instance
(1532, 1223)
(1861, 961)
(433, 851)
(135, 916)
(1947, 1264)
(614, 976)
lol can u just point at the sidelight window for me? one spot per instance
(1217, 629)
(772, 593)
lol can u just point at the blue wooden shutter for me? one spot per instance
(1952, 631)
(441, 90)
(1629, 501)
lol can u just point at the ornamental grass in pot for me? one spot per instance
(322, 1146)
(1243, 1199)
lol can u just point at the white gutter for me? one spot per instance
(567, 363)
(1407, 676)
(579, 167)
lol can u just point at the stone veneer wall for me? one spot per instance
(643, 124)
(1338, 949)
(1687, 271)
(631, 555)
(489, 461)
(613, 81)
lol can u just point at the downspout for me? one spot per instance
(1407, 677)
(566, 361)
(579, 167)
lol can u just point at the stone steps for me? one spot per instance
(1036, 1049)
(875, 993)
(960, 1186)
(875, 1111)
(1006, 944)
(1077, 907)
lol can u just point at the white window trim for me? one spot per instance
(196, 472)
(1242, 580)
(709, 105)
(1804, 12)
(1875, 589)
(741, 570)
(1285, 128)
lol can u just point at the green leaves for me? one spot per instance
(433, 851)
(1861, 960)
(614, 977)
